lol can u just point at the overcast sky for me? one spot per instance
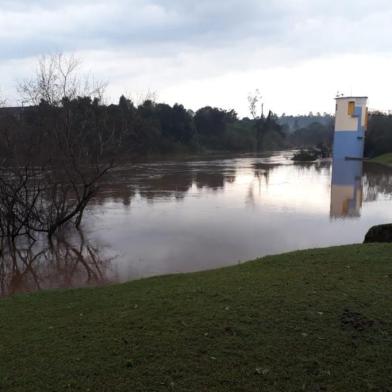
(299, 53)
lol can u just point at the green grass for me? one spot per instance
(316, 320)
(385, 159)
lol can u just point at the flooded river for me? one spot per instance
(170, 217)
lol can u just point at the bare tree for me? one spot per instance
(57, 77)
(52, 165)
(41, 191)
(2, 99)
(255, 99)
(138, 98)
(263, 125)
(19, 194)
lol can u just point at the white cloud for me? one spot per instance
(210, 52)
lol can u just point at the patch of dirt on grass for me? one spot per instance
(356, 321)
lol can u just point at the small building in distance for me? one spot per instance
(350, 126)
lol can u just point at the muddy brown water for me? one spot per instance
(175, 216)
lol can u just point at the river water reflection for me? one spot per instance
(171, 217)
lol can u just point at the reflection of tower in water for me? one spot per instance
(349, 139)
(346, 188)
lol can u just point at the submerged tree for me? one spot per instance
(55, 155)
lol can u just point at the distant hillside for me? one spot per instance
(292, 123)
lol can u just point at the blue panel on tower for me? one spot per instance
(348, 144)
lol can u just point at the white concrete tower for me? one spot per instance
(350, 126)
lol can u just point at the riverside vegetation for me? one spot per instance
(385, 159)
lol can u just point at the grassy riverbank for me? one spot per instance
(317, 320)
(385, 159)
